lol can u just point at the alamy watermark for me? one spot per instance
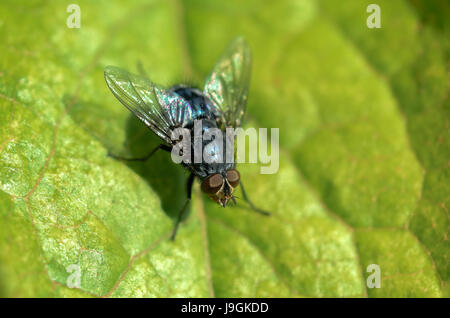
(211, 146)
(74, 279)
(374, 279)
(374, 19)
(74, 19)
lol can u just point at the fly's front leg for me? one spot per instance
(252, 206)
(161, 146)
(189, 183)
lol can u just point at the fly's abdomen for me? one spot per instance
(208, 143)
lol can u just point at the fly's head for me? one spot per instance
(220, 187)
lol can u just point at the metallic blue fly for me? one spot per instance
(220, 105)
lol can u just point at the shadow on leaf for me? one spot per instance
(166, 178)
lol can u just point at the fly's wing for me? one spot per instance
(159, 109)
(227, 85)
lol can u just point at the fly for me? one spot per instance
(221, 104)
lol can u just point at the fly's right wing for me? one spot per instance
(159, 109)
(228, 84)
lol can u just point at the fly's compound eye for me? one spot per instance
(233, 177)
(212, 184)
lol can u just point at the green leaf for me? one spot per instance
(364, 147)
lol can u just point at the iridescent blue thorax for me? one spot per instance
(203, 110)
(200, 106)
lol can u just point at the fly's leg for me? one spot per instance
(252, 206)
(189, 183)
(141, 70)
(161, 146)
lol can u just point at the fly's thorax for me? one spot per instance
(208, 153)
(200, 107)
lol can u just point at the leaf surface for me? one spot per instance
(363, 175)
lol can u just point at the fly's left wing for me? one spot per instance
(228, 84)
(159, 109)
